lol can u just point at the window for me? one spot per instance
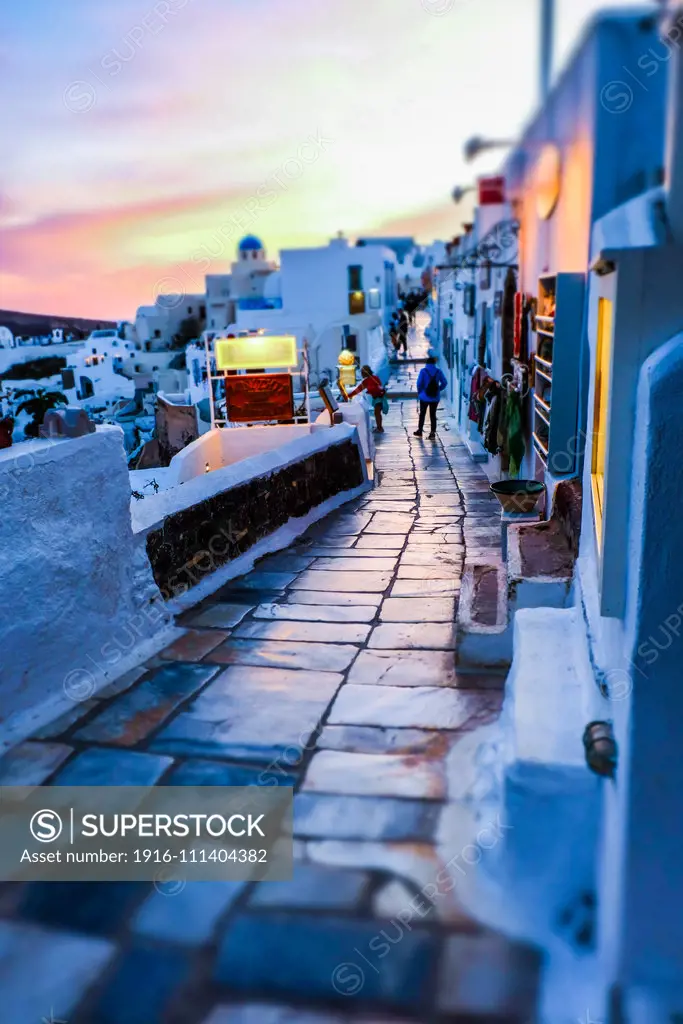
(356, 302)
(355, 279)
(603, 360)
(157, 333)
(202, 312)
(374, 298)
(189, 310)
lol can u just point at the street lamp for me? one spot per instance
(477, 145)
(460, 191)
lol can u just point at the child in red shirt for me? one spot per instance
(374, 387)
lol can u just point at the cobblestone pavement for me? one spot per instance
(330, 668)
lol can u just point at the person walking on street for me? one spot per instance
(403, 332)
(430, 384)
(374, 387)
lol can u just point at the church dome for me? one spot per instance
(249, 243)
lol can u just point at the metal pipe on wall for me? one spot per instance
(547, 43)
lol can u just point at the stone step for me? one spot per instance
(483, 633)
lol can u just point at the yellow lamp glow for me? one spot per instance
(346, 368)
(259, 351)
(548, 180)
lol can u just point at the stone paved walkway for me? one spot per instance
(330, 668)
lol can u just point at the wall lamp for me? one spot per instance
(601, 749)
(477, 145)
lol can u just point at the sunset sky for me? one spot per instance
(138, 133)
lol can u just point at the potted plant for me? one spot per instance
(36, 404)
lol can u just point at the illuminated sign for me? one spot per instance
(548, 180)
(256, 352)
(257, 397)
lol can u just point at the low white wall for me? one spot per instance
(225, 447)
(150, 513)
(78, 593)
(357, 414)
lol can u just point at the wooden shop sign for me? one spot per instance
(255, 397)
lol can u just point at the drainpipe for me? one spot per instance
(674, 132)
(547, 41)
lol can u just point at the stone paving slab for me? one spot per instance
(283, 654)
(394, 636)
(364, 739)
(433, 557)
(293, 631)
(44, 974)
(422, 707)
(350, 582)
(264, 580)
(332, 542)
(378, 543)
(425, 588)
(96, 909)
(193, 645)
(362, 564)
(418, 863)
(314, 887)
(323, 599)
(65, 723)
(267, 1013)
(408, 571)
(355, 818)
(99, 766)
(198, 772)
(485, 975)
(252, 714)
(137, 713)
(31, 764)
(405, 609)
(391, 775)
(403, 668)
(313, 613)
(219, 616)
(286, 955)
(157, 976)
(188, 917)
(355, 555)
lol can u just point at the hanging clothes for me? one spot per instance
(519, 305)
(476, 383)
(516, 445)
(493, 420)
(507, 324)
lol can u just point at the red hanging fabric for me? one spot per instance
(519, 307)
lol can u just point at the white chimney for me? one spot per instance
(674, 131)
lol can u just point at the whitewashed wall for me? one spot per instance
(77, 590)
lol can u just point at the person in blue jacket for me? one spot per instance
(430, 384)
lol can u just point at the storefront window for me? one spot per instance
(601, 412)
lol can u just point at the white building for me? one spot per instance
(156, 326)
(333, 297)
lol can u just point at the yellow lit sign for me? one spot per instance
(256, 352)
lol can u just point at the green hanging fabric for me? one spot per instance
(516, 445)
